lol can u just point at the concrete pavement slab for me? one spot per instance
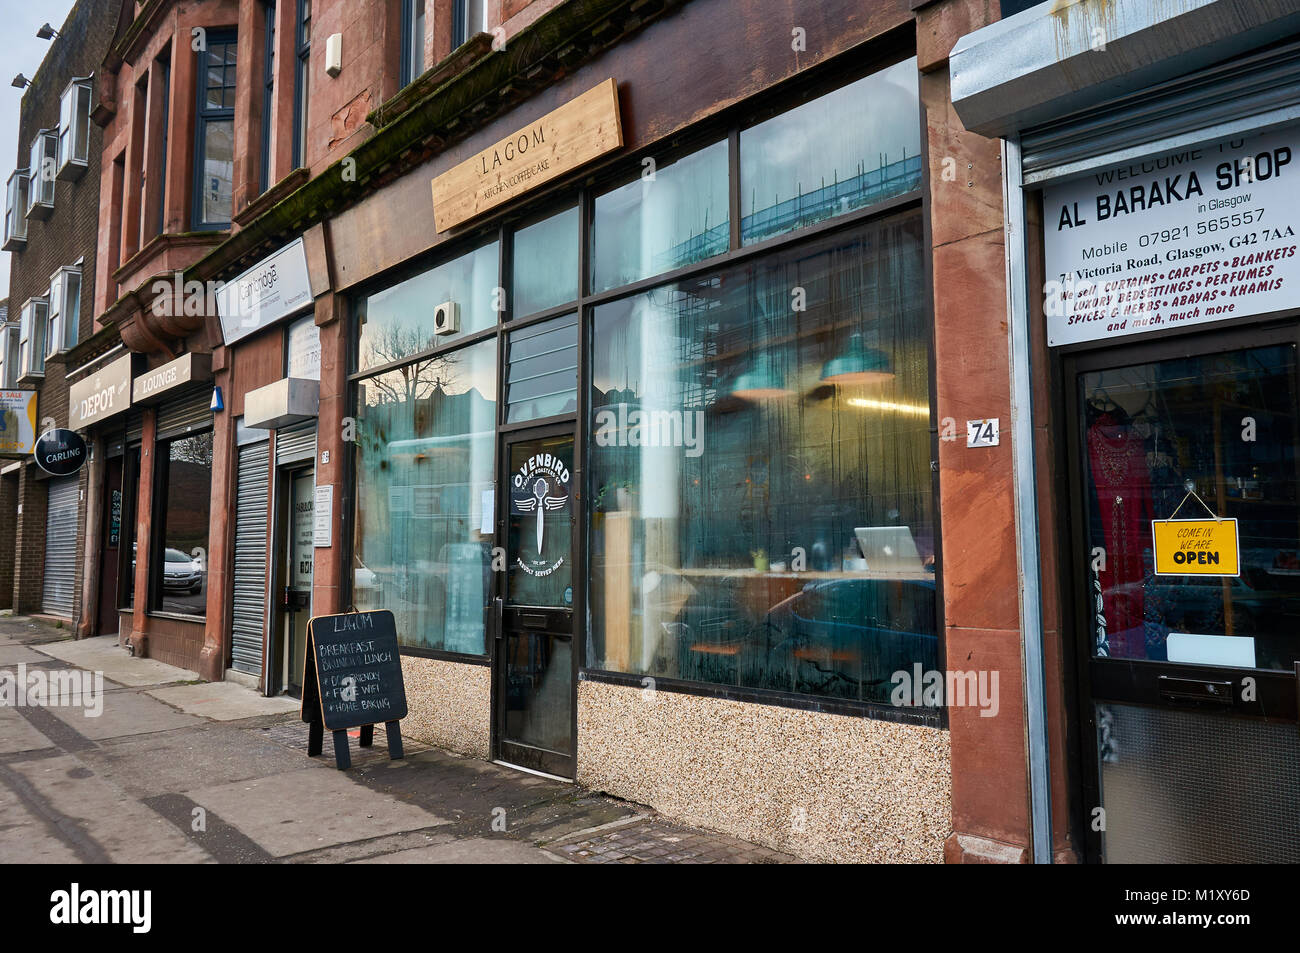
(469, 850)
(223, 701)
(103, 654)
(11, 653)
(123, 828)
(26, 837)
(206, 756)
(316, 806)
(18, 734)
(125, 713)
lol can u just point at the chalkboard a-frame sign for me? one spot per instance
(353, 679)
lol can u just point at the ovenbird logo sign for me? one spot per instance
(541, 486)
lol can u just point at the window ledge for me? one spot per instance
(289, 184)
(457, 61)
(175, 616)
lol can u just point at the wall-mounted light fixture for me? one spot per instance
(20, 81)
(46, 32)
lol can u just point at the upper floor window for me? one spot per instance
(412, 39)
(268, 96)
(64, 310)
(15, 207)
(469, 17)
(214, 134)
(74, 129)
(301, 83)
(9, 345)
(42, 169)
(31, 343)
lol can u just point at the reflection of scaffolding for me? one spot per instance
(805, 209)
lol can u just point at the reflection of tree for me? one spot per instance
(195, 449)
(414, 381)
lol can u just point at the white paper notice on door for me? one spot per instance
(488, 506)
(1233, 651)
(323, 516)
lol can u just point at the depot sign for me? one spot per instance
(103, 394)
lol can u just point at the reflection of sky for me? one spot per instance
(855, 129)
(459, 372)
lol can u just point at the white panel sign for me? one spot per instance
(323, 515)
(1185, 237)
(304, 349)
(272, 289)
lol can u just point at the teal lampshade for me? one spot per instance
(858, 364)
(763, 379)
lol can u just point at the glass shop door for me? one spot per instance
(536, 660)
(1186, 562)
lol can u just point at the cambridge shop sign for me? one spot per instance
(581, 130)
(274, 288)
(60, 452)
(1199, 234)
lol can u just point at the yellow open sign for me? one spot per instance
(1195, 547)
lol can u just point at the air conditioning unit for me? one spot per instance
(446, 318)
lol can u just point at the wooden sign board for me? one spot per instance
(581, 130)
(353, 679)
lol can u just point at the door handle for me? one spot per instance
(1195, 691)
(498, 617)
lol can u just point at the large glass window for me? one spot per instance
(179, 564)
(74, 128)
(673, 215)
(545, 262)
(32, 321)
(399, 321)
(848, 149)
(302, 83)
(214, 160)
(542, 369)
(130, 547)
(42, 168)
(426, 435)
(763, 510)
(469, 18)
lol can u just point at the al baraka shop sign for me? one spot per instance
(1186, 237)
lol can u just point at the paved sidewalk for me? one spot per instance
(174, 770)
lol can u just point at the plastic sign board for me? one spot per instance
(274, 288)
(1199, 234)
(1196, 547)
(103, 394)
(17, 422)
(580, 131)
(60, 452)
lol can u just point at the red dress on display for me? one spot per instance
(1118, 459)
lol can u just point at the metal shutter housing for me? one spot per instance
(296, 444)
(1244, 96)
(188, 412)
(58, 596)
(249, 604)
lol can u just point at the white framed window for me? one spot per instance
(74, 128)
(41, 172)
(64, 310)
(9, 342)
(31, 340)
(16, 211)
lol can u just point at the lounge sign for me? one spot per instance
(103, 394)
(1198, 234)
(155, 384)
(580, 131)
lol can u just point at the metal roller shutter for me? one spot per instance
(1235, 97)
(134, 426)
(297, 444)
(188, 412)
(249, 604)
(58, 595)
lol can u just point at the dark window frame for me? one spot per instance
(203, 116)
(727, 123)
(406, 72)
(301, 79)
(270, 8)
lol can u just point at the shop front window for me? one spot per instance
(673, 215)
(845, 150)
(1210, 444)
(425, 450)
(179, 565)
(762, 509)
(546, 263)
(399, 322)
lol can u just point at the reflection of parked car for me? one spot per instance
(841, 638)
(180, 572)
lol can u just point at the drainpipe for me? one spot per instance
(1026, 505)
